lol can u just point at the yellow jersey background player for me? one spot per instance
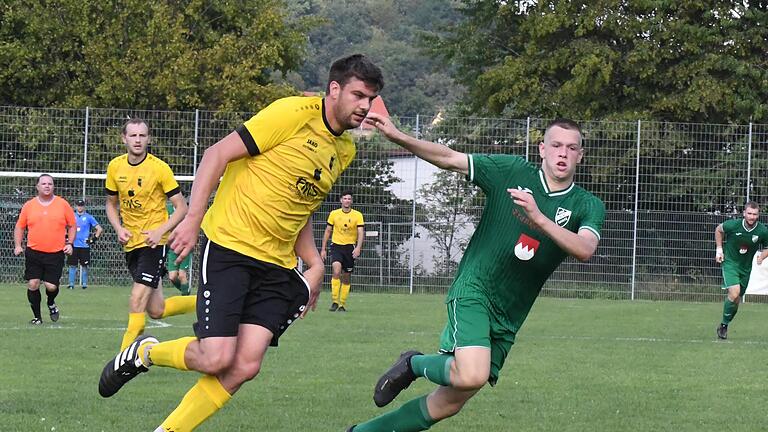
(346, 229)
(138, 184)
(276, 169)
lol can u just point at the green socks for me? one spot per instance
(412, 416)
(434, 367)
(729, 311)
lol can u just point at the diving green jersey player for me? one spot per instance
(534, 217)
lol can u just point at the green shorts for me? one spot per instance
(733, 275)
(471, 324)
(170, 262)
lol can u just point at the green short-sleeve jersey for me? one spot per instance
(508, 260)
(741, 243)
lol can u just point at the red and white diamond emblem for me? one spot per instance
(526, 247)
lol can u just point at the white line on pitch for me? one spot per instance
(151, 325)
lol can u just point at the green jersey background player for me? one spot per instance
(178, 274)
(743, 238)
(533, 218)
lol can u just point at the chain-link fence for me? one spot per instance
(666, 187)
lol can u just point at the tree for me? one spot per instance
(387, 31)
(691, 61)
(159, 55)
(448, 210)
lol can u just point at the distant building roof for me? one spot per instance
(378, 107)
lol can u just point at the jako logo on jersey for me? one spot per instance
(562, 216)
(524, 189)
(526, 247)
(306, 188)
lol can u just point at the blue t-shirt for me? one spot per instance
(84, 224)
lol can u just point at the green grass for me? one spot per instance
(578, 365)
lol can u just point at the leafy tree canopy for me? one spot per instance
(150, 55)
(690, 60)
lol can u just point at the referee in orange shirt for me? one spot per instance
(51, 227)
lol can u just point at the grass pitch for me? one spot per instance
(578, 365)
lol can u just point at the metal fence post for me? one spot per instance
(85, 147)
(749, 160)
(637, 211)
(413, 212)
(527, 137)
(197, 135)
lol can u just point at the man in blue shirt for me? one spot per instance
(81, 252)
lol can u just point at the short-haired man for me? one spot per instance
(348, 229)
(138, 184)
(276, 169)
(534, 217)
(81, 250)
(50, 225)
(737, 241)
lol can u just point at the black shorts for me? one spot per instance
(343, 254)
(80, 256)
(147, 265)
(237, 289)
(45, 266)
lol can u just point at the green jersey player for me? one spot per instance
(743, 238)
(178, 273)
(533, 218)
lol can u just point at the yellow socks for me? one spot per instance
(344, 294)
(170, 353)
(335, 285)
(201, 401)
(178, 305)
(135, 328)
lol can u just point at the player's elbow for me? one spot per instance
(585, 254)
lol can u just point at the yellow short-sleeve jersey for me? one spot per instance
(264, 200)
(141, 190)
(345, 226)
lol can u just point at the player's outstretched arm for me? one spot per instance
(215, 159)
(437, 154)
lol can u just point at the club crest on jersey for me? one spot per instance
(755, 238)
(562, 216)
(526, 247)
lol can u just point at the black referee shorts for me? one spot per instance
(46, 266)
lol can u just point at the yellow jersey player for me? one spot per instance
(346, 229)
(275, 169)
(138, 184)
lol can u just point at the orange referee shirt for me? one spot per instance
(46, 225)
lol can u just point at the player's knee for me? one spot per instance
(215, 362)
(470, 379)
(245, 370)
(154, 314)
